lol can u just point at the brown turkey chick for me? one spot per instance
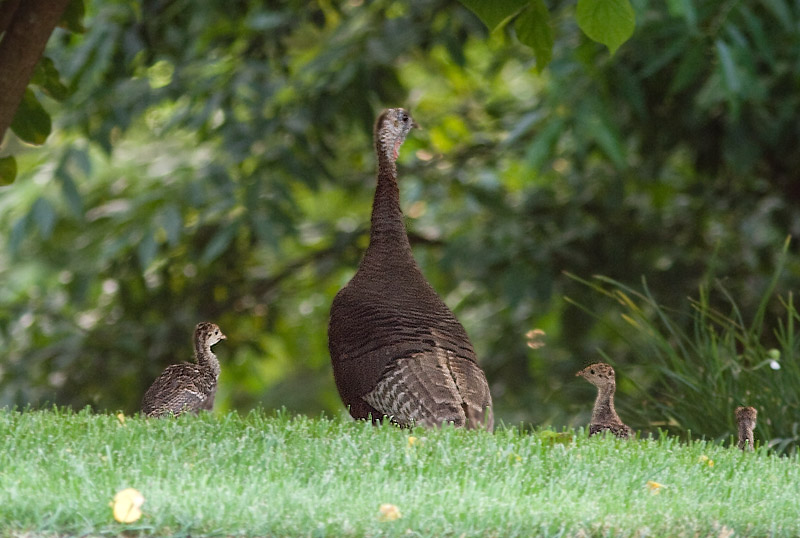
(187, 387)
(604, 416)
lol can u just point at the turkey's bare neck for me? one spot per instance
(206, 358)
(388, 235)
(604, 412)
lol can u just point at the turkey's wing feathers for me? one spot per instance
(433, 388)
(180, 388)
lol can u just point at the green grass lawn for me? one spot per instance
(261, 475)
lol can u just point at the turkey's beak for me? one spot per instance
(223, 337)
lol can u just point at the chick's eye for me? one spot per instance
(591, 372)
(405, 117)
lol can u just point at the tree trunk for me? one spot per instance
(29, 25)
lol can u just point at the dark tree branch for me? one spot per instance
(21, 47)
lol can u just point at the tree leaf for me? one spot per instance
(147, 250)
(70, 191)
(79, 157)
(610, 22)
(45, 217)
(690, 68)
(72, 19)
(533, 29)
(603, 132)
(18, 233)
(541, 148)
(495, 13)
(172, 222)
(31, 122)
(8, 170)
(47, 78)
(684, 9)
(218, 244)
(729, 73)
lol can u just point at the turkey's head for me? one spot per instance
(599, 374)
(391, 130)
(746, 416)
(208, 334)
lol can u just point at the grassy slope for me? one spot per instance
(278, 475)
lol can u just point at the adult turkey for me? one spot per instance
(187, 387)
(397, 350)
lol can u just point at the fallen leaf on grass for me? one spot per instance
(121, 418)
(127, 505)
(388, 512)
(655, 487)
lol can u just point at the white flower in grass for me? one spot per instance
(127, 505)
(388, 512)
(774, 356)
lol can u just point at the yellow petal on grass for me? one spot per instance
(121, 418)
(388, 512)
(705, 460)
(411, 440)
(127, 505)
(654, 487)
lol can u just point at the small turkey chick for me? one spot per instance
(604, 416)
(187, 387)
(746, 420)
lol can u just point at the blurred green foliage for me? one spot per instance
(214, 161)
(31, 122)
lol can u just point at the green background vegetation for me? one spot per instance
(213, 161)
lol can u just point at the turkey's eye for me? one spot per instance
(591, 372)
(405, 117)
(216, 332)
